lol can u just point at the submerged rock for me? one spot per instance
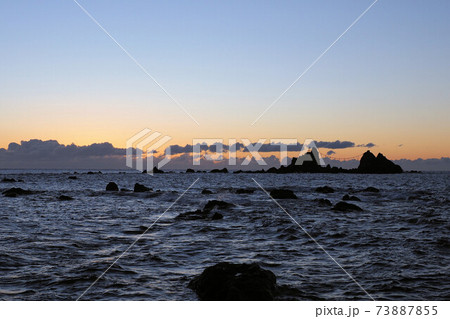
(346, 207)
(65, 197)
(8, 180)
(323, 202)
(13, 192)
(245, 191)
(139, 188)
(283, 194)
(351, 198)
(216, 203)
(72, 177)
(217, 216)
(242, 282)
(112, 187)
(325, 190)
(190, 170)
(371, 190)
(206, 192)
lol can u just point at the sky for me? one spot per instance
(386, 81)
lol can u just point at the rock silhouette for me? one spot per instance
(346, 207)
(369, 164)
(283, 194)
(351, 198)
(13, 192)
(139, 188)
(223, 170)
(112, 187)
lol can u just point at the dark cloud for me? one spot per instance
(331, 152)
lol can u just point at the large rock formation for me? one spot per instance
(369, 164)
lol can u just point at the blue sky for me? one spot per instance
(226, 61)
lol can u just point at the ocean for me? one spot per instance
(396, 248)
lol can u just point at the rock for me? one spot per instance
(8, 180)
(371, 190)
(224, 170)
(235, 282)
(324, 190)
(10, 195)
(13, 192)
(125, 190)
(72, 177)
(323, 202)
(216, 203)
(206, 192)
(144, 171)
(245, 191)
(282, 194)
(369, 164)
(156, 170)
(112, 187)
(346, 207)
(217, 216)
(190, 170)
(139, 188)
(64, 197)
(351, 198)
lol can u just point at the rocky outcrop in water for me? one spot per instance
(235, 282)
(346, 207)
(15, 191)
(223, 170)
(207, 213)
(65, 198)
(351, 198)
(310, 163)
(112, 187)
(369, 164)
(8, 180)
(283, 194)
(139, 188)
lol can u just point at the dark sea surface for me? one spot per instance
(397, 248)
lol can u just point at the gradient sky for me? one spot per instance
(386, 81)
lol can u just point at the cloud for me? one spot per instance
(331, 152)
(368, 145)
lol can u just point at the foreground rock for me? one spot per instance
(282, 194)
(15, 191)
(139, 188)
(235, 282)
(112, 187)
(346, 207)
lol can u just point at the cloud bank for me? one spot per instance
(38, 154)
